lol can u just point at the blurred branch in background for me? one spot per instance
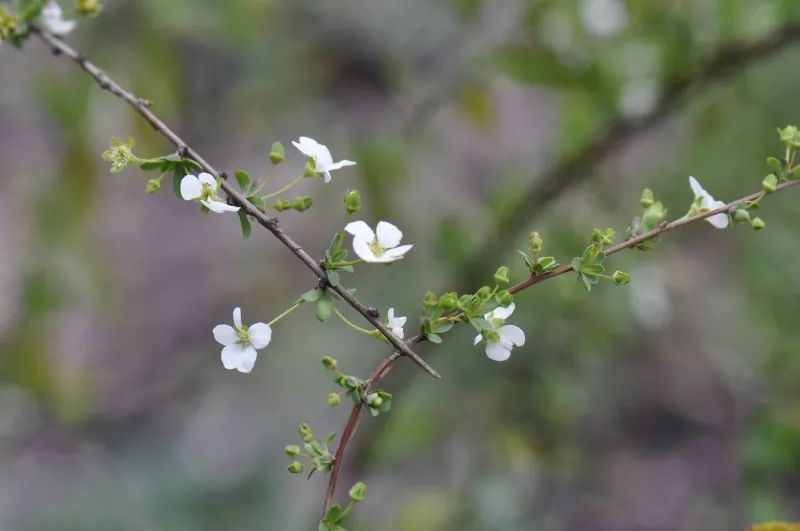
(730, 60)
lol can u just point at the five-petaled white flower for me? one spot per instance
(53, 19)
(321, 155)
(502, 337)
(381, 245)
(720, 221)
(241, 342)
(395, 324)
(204, 188)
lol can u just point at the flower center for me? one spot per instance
(242, 336)
(376, 248)
(207, 192)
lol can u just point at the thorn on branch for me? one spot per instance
(144, 102)
(373, 312)
(223, 175)
(183, 151)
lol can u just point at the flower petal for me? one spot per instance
(231, 355)
(191, 187)
(478, 339)
(207, 178)
(390, 314)
(503, 313)
(697, 190)
(224, 334)
(388, 235)
(260, 335)
(326, 177)
(720, 221)
(361, 248)
(341, 164)
(237, 317)
(247, 359)
(496, 351)
(397, 253)
(360, 229)
(512, 334)
(218, 206)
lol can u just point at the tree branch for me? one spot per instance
(386, 364)
(59, 47)
(725, 63)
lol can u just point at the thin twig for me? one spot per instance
(59, 47)
(386, 363)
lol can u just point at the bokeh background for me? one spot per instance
(669, 404)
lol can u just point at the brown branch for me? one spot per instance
(59, 47)
(724, 64)
(386, 363)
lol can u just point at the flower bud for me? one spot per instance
(358, 492)
(89, 8)
(152, 186)
(449, 300)
(647, 198)
(302, 203)
(334, 400)
(621, 277)
(295, 467)
(352, 201)
(292, 450)
(741, 215)
(504, 298)
(484, 293)
(789, 135)
(654, 215)
(770, 183)
(306, 433)
(374, 400)
(535, 241)
(501, 276)
(430, 299)
(758, 224)
(311, 169)
(329, 363)
(281, 205)
(276, 153)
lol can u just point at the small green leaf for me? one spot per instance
(245, 222)
(244, 180)
(333, 277)
(324, 307)
(434, 338)
(177, 176)
(334, 514)
(151, 165)
(311, 295)
(258, 203)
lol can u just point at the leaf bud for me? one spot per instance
(302, 203)
(358, 492)
(292, 450)
(504, 298)
(295, 467)
(647, 198)
(352, 201)
(501, 276)
(334, 400)
(449, 300)
(770, 183)
(621, 277)
(277, 153)
(741, 215)
(306, 433)
(89, 8)
(535, 241)
(329, 363)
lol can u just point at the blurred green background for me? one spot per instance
(669, 404)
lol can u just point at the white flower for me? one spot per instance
(395, 324)
(323, 160)
(241, 343)
(204, 188)
(380, 247)
(720, 221)
(53, 19)
(604, 17)
(502, 337)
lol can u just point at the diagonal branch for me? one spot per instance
(59, 47)
(566, 173)
(386, 364)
